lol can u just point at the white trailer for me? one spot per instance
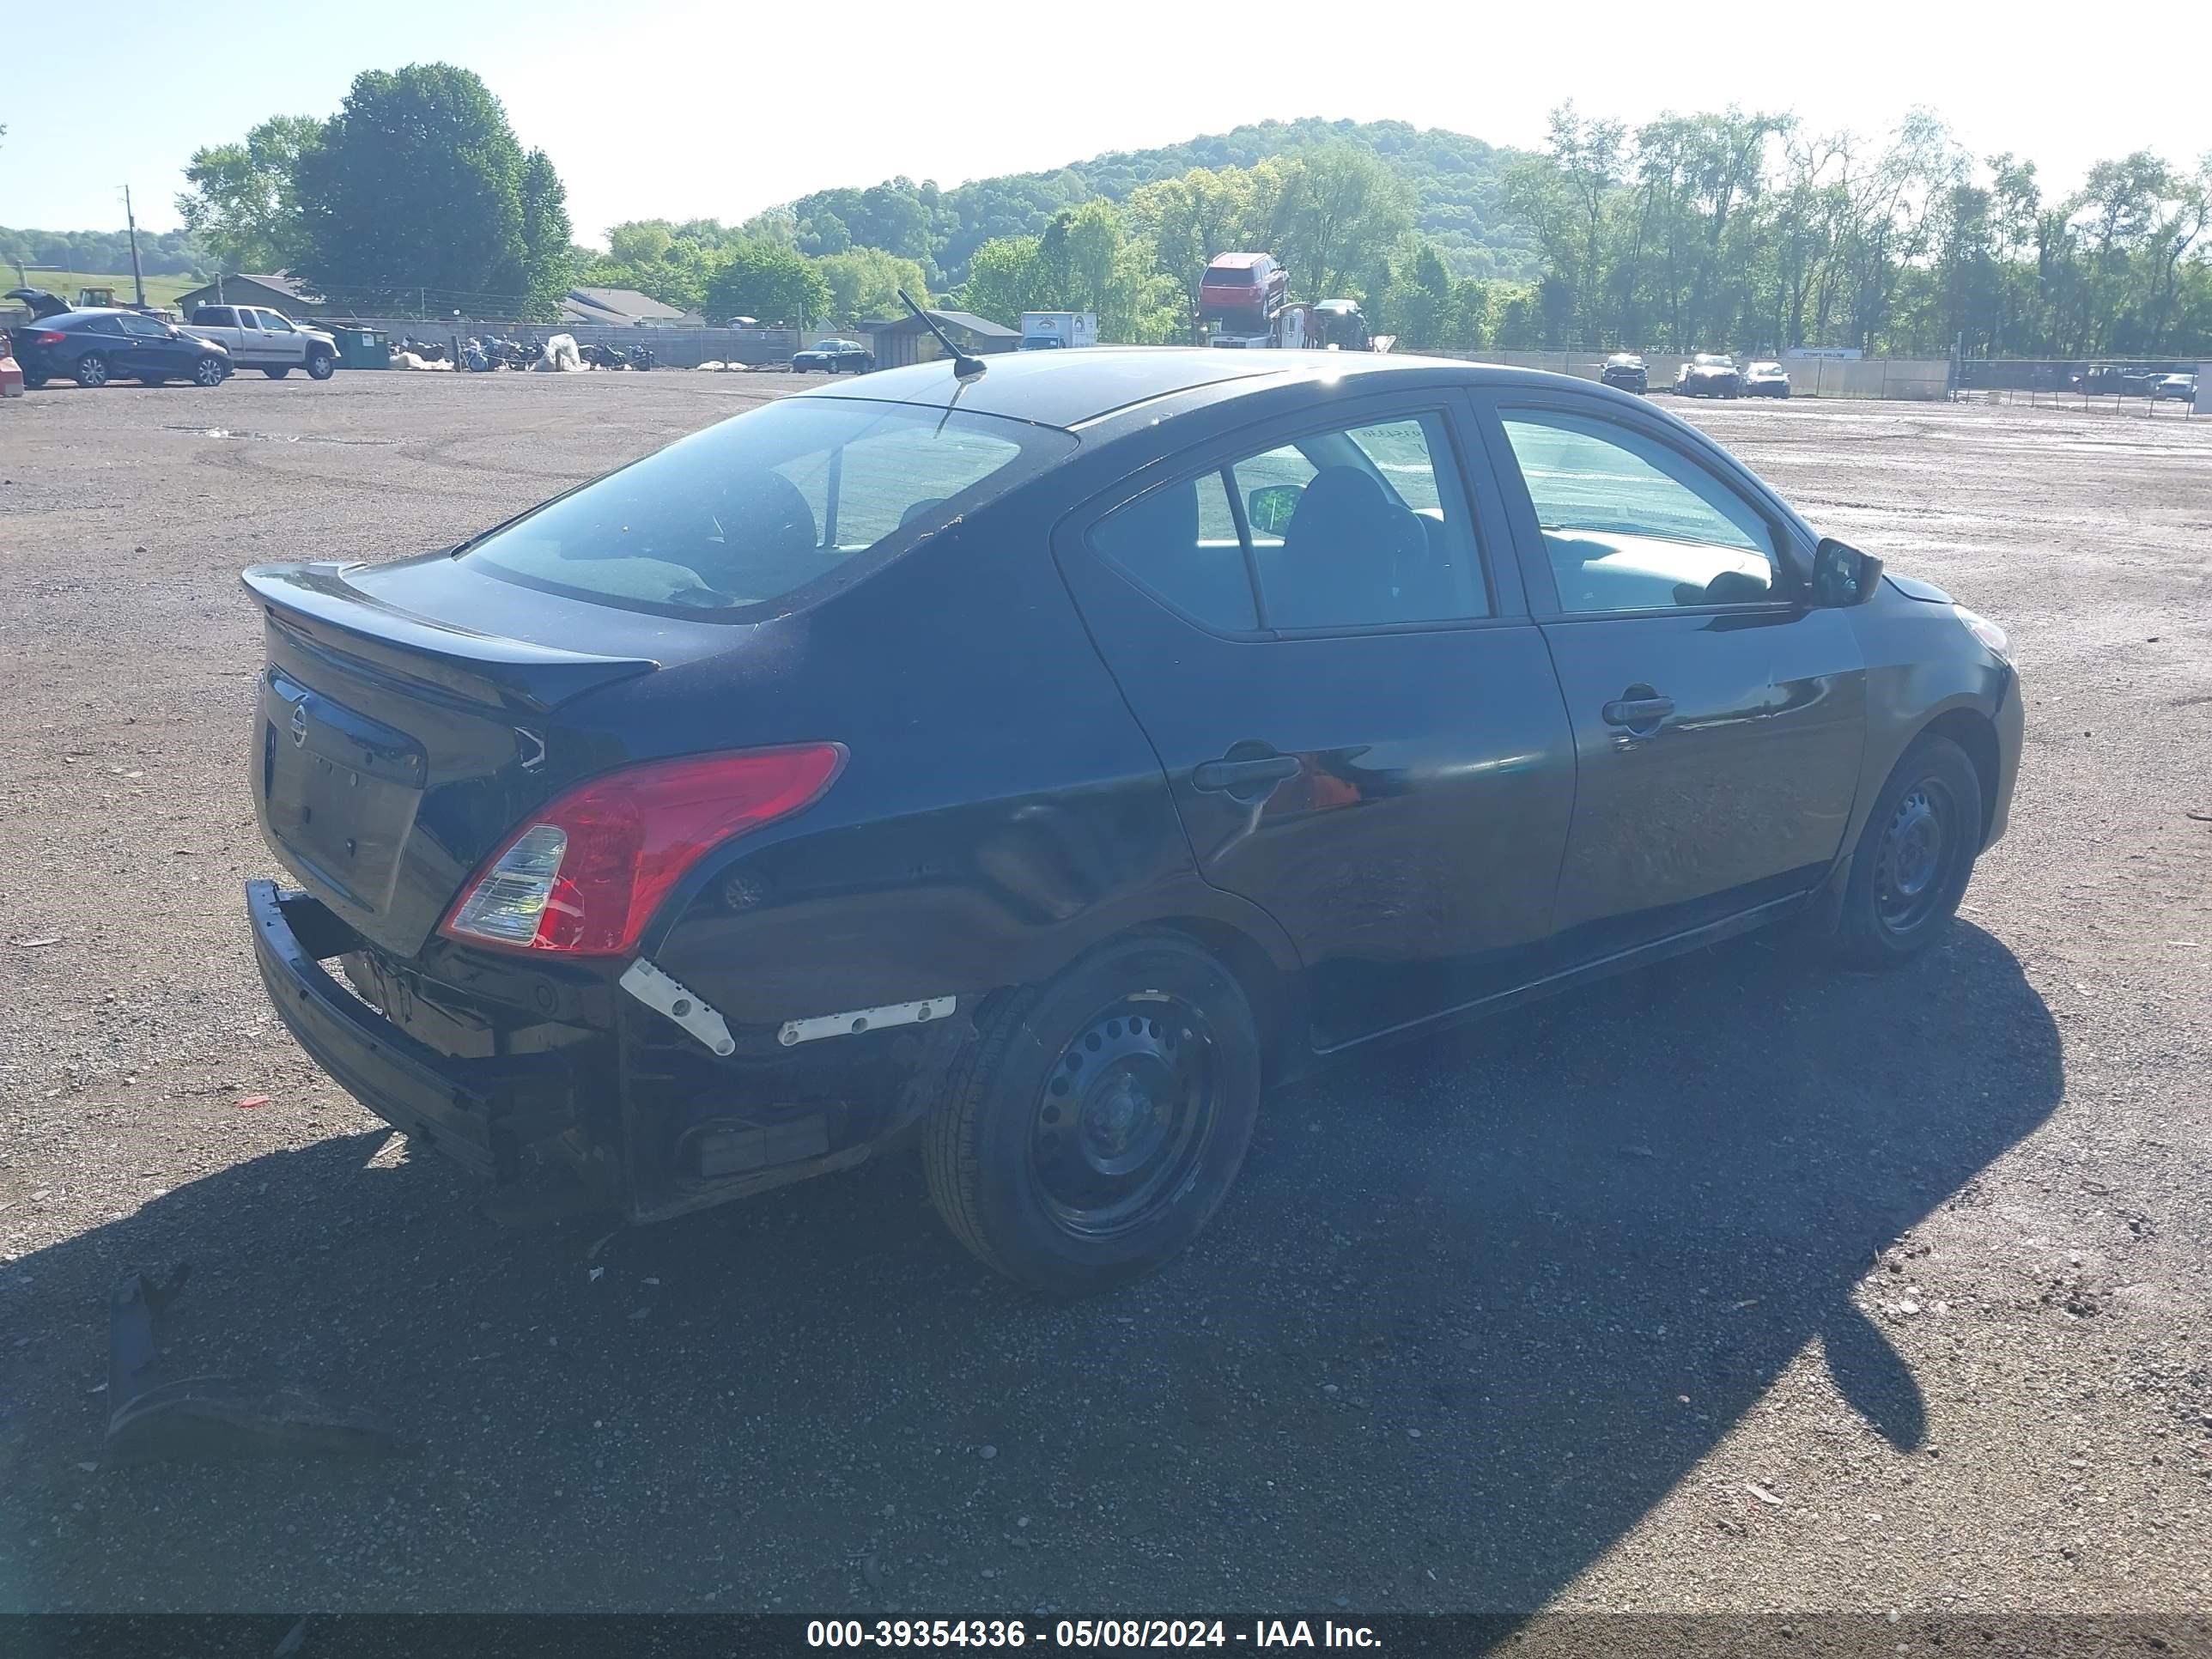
(1052, 330)
(1292, 328)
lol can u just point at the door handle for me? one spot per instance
(1640, 714)
(1245, 779)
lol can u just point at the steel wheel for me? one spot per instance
(208, 372)
(1915, 857)
(1125, 1115)
(92, 370)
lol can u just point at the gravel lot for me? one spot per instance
(1737, 1286)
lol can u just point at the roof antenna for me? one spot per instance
(964, 366)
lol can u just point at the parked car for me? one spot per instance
(893, 762)
(1626, 370)
(1764, 379)
(1708, 374)
(2119, 380)
(1340, 323)
(39, 303)
(834, 357)
(95, 347)
(2177, 387)
(1242, 290)
(258, 337)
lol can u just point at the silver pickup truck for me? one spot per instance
(267, 340)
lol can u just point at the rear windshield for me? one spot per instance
(762, 505)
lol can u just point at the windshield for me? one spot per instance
(1707, 360)
(759, 507)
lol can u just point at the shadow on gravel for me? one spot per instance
(1480, 1303)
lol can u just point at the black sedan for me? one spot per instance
(95, 347)
(1626, 370)
(834, 357)
(1708, 374)
(1039, 765)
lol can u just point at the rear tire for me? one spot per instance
(279, 372)
(1094, 1125)
(1914, 858)
(91, 371)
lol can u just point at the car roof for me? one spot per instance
(1068, 389)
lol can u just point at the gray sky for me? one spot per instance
(684, 109)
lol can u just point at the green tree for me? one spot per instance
(1191, 218)
(1336, 203)
(771, 283)
(1006, 277)
(244, 202)
(640, 242)
(417, 188)
(865, 281)
(548, 263)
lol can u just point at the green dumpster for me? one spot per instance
(362, 347)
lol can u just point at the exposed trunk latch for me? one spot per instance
(656, 990)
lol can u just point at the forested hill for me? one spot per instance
(1457, 182)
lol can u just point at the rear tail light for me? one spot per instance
(585, 874)
(51, 337)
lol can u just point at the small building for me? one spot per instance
(279, 290)
(900, 340)
(623, 307)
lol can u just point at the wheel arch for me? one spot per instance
(1275, 993)
(1976, 734)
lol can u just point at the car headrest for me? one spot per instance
(1346, 547)
(765, 512)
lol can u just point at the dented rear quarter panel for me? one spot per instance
(1038, 824)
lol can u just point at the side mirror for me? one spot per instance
(1269, 509)
(1842, 576)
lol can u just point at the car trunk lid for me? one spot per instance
(394, 750)
(40, 303)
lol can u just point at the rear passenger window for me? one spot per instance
(1361, 526)
(1355, 528)
(1179, 541)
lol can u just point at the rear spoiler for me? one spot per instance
(316, 604)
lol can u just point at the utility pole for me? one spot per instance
(137, 278)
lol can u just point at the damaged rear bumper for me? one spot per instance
(633, 1084)
(473, 1110)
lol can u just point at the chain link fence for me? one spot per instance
(2142, 387)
